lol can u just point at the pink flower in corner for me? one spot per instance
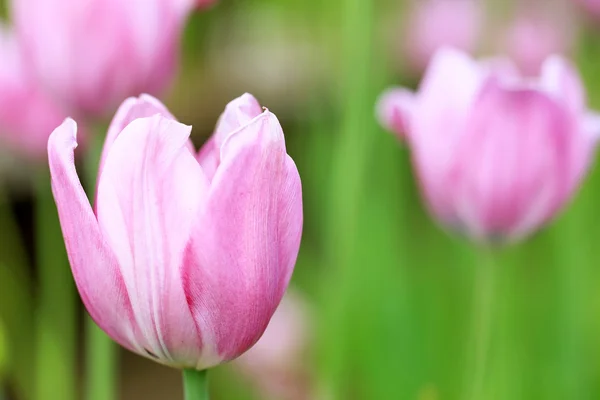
(184, 260)
(90, 55)
(27, 115)
(497, 155)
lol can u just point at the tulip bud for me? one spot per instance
(92, 54)
(27, 115)
(437, 23)
(498, 155)
(179, 265)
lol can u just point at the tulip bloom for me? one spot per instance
(497, 155)
(434, 24)
(91, 55)
(184, 258)
(27, 115)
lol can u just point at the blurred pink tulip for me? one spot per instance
(497, 154)
(277, 363)
(92, 54)
(393, 109)
(433, 24)
(202, 4)
(27, 115)
(591, 6)
(182, 264)
(532, 37)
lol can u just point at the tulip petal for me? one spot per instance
(94, 265)
(238, 113)
(394, 110)
(439, 119)
(592, 126)
(559, 78)
(131, 109)
(149, 194)
(209, 157)
(514, 162)
(247, 242)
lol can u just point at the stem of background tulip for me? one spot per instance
(483, 289)
(572, 255)
(101, 351)
(56, 372)
(195, 384)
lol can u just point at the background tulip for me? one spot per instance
(201, 4)
(93, 54)
(437, 23)
(177, 265)
(591, 6)
(496, 154)
(533, 36)
(27, 115)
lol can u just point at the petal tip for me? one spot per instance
(65, 133)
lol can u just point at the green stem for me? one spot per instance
(482, 321)
(195, 384)
(56, 372)
(572, 257)
(101, 351)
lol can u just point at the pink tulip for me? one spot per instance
(393, 108)
(202, 4)
(27, 115)
(181, 263)
(532, 38)
(92, 54)
(433, 24)
(591, 6)
(498, 155)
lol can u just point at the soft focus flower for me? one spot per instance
(532, 37)
(202, 4)
(277, 363)
(184, 259)
(393, 110)
(591, 6)
(433, 24)
(92, 54)
(27, 115)
(498, 155)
